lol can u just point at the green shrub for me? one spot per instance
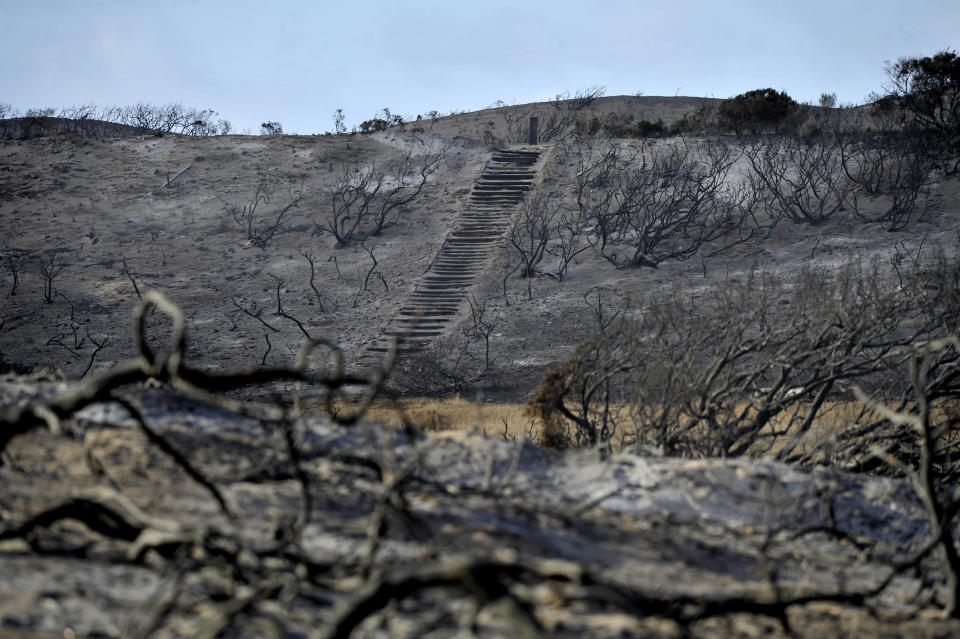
(757, 111)
(271, 128)
(381, 121)
(928, 91)
(622, 125)
(701, 121)
(374, 124)
(587, 127)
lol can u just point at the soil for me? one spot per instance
(94, 204)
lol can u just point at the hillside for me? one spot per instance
(103, 211)
(738, 354)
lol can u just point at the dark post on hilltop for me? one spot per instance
(533, 129)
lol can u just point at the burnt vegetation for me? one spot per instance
(112, 121)
(846, 372)
(365, 201)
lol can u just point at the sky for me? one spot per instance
(296, 62)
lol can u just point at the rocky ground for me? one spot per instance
(103, 533)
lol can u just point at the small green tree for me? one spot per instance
(271, 128)
(928, 89)
(756, 111)
(339, 122)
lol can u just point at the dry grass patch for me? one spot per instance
(456, 414)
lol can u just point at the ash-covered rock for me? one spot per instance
(407, 535)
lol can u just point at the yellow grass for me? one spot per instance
(495, 420)
(455, 414)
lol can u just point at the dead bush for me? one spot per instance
(803, 179)
(659, 202)
(751, 367)
(367, 200)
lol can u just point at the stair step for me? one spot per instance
(492, 183)
(412, 334)
(427, 307)
(520, 174)
(437, 299)
(508, 173)
(448, 297)
(448, 279)
(518, 152)
(462, 259)
(450, 291)
(499, 185)
(485, 234)
(516, 161)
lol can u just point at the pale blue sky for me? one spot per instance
(297, 61)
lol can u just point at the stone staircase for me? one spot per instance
(441, 294)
